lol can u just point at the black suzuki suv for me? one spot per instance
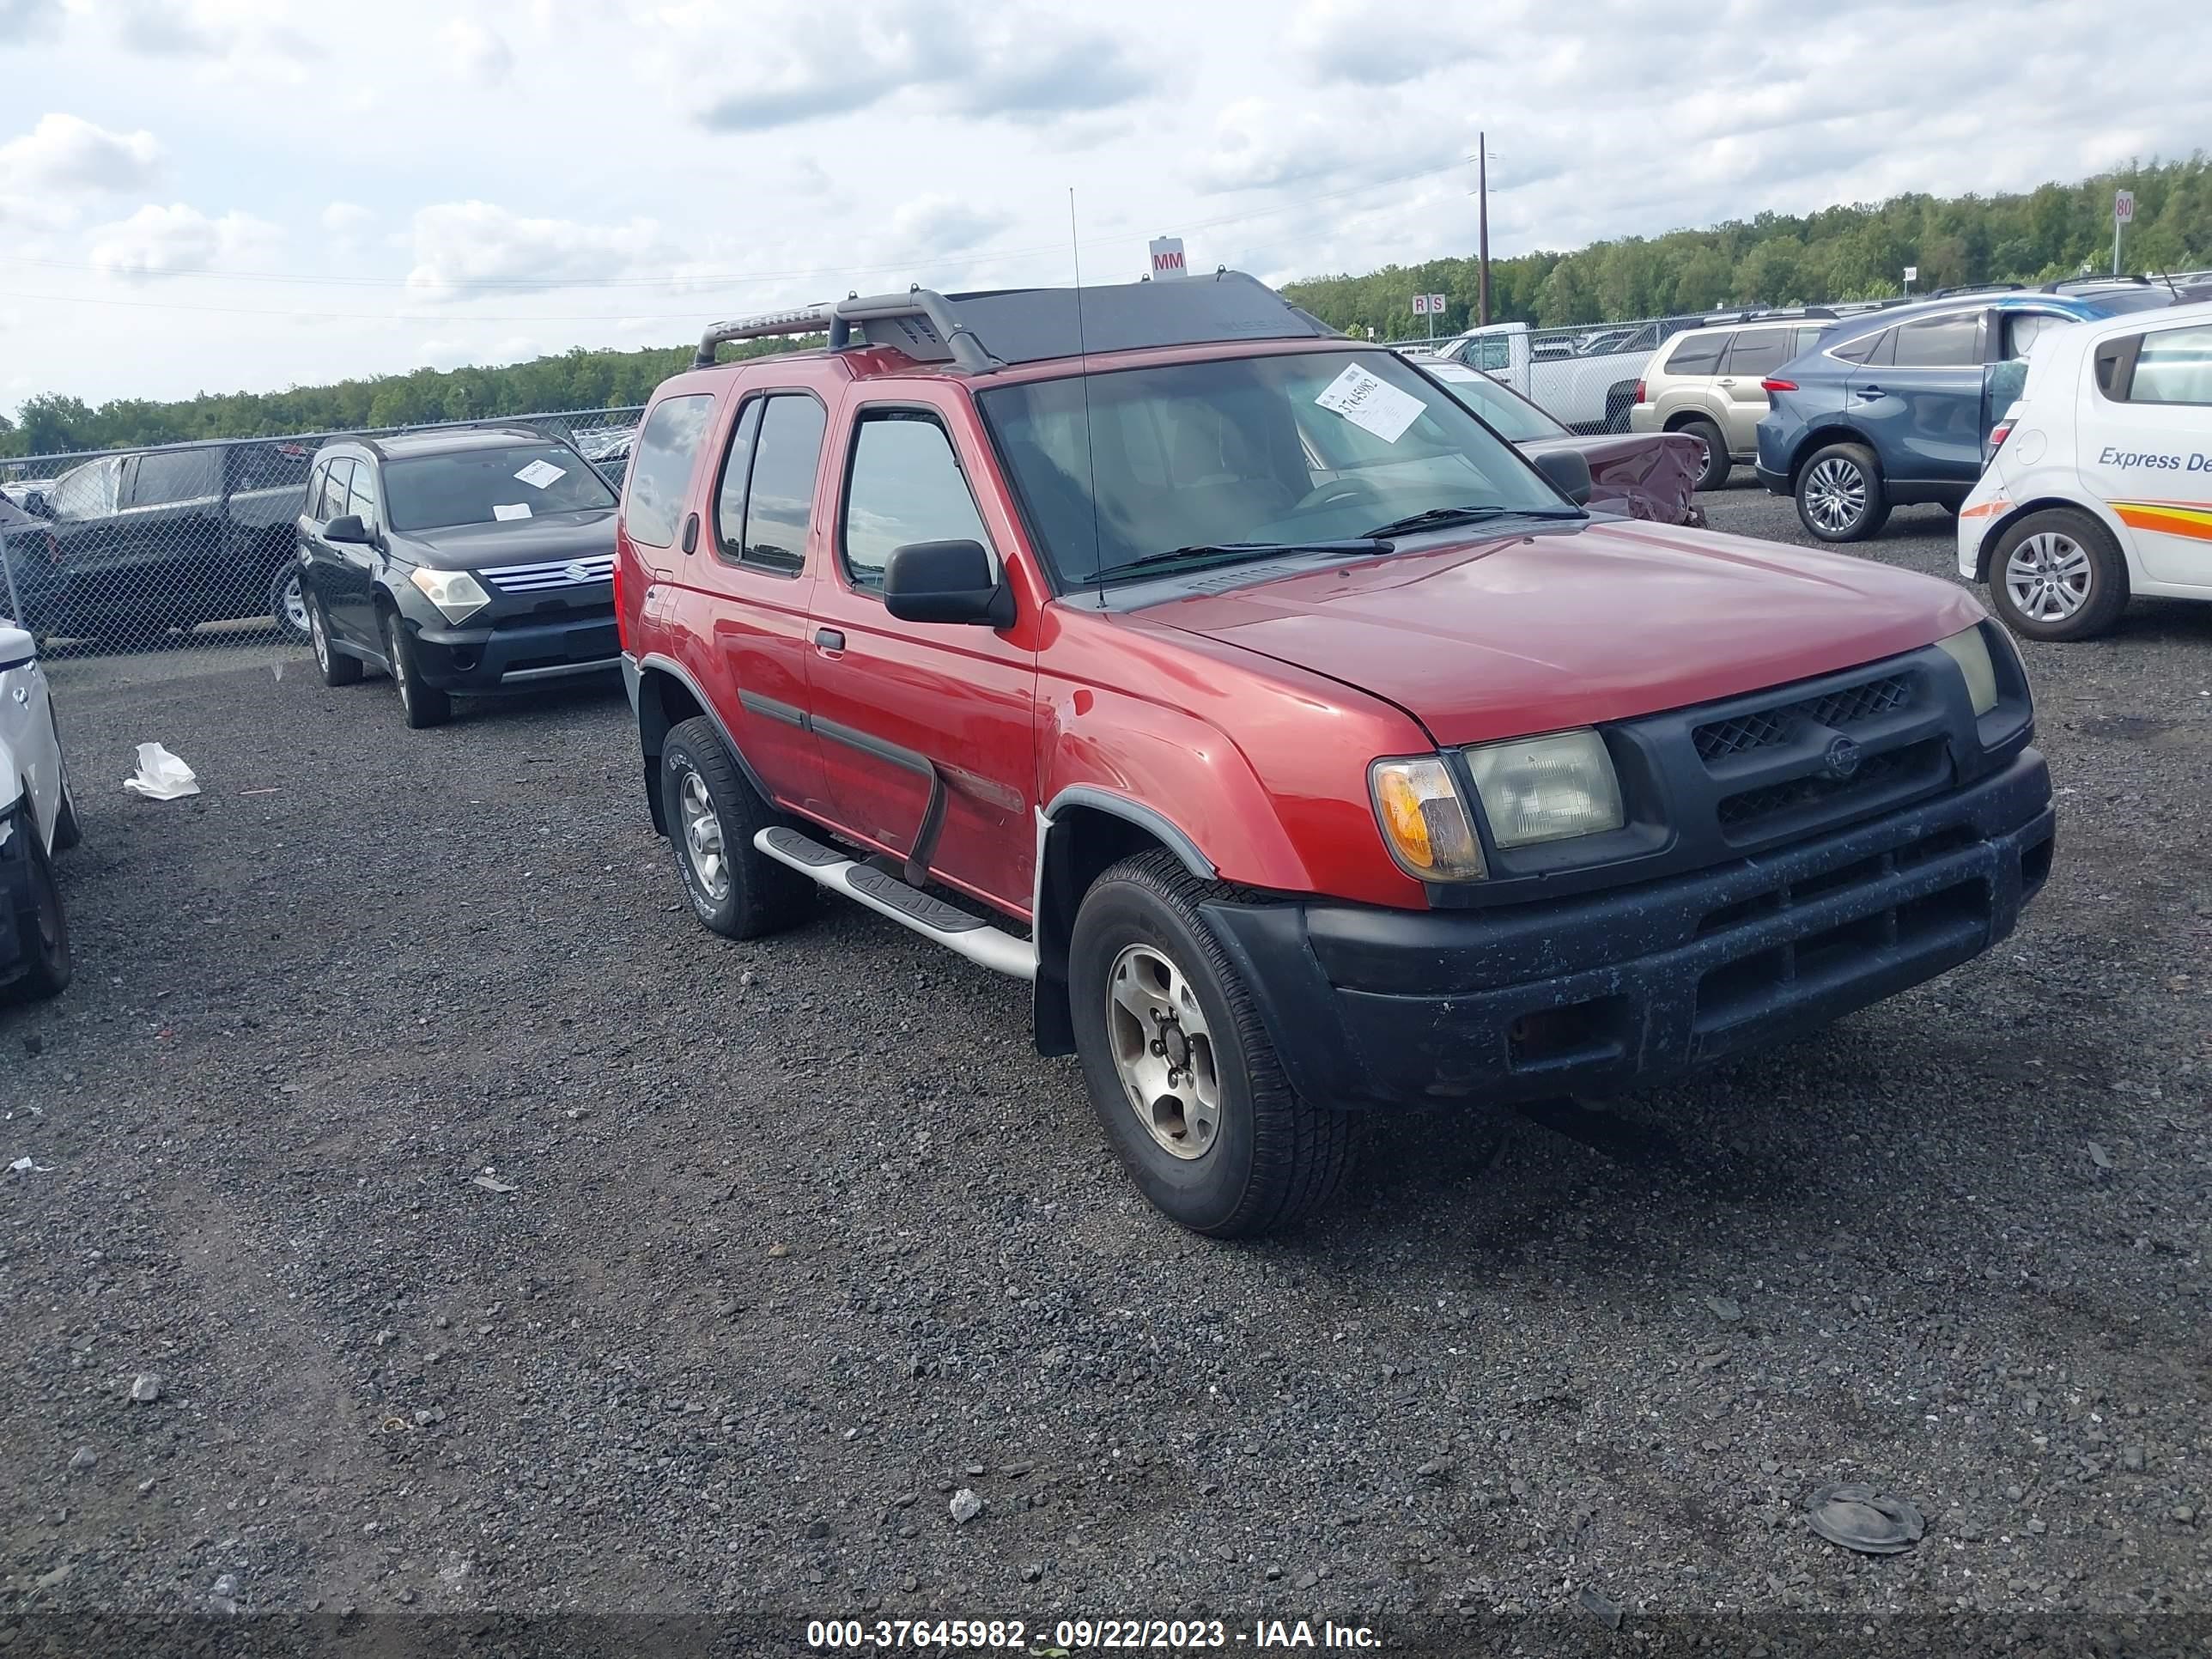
(463, 562)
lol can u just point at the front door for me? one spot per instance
(926, 731)
(1919, 397)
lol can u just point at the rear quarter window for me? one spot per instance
(660, 470)
(1698, 353)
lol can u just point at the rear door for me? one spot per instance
(354, 565)
(927, 732)
(1917, 397)
(1752, 355)
(2145, 446)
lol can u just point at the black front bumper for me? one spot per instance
(1607, 991)
(517, 656)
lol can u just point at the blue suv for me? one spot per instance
(1892, 407)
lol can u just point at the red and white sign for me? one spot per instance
(1421, 305)
(2123, 207)
(1167, 257)
(1435, 304)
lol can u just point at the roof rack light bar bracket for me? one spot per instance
(966, 346)
(803, 319)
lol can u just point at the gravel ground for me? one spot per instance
(497, 1241)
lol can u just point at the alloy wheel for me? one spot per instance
(1164, 1051)
(322, 641)
(2049, 576)
(295, 604)
(1836, 495)
(704, 845)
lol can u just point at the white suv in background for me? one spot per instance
(2100, 483)
(1708, 383)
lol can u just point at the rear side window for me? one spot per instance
(1866, 349)
(730, 493)
(2023, 329)
(331, 500)
(1951, 342)
(2174, 367)
(907, 486)
(660, 472)
(179, 475)
(1698, 353)
(779, 503)
(1759, 351)
(86, 491)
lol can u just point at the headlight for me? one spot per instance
(456, 592)
(1424, 823)
(1969, 649)
(1540, 789)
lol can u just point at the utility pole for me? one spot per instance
(1482, 222)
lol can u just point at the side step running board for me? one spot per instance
(885, 894)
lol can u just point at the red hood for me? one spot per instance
(1499, 638)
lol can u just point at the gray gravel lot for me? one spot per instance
(801, 1237)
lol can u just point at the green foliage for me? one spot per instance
(1856, 253)
(50, 423)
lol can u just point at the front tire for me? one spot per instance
(713, 814)
(1717, 465)
(2058, 575)
(44, 928)
(1840, 496)
(1179, 1067)
(68, 831)
(423, 705)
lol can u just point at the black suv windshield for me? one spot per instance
(482, 486)
(1250, 452)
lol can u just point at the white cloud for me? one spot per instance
(69, 153)
(460, 243)
(346, 219)
(479, 54)
(1369, 42)
(157, 242)
(29, 20)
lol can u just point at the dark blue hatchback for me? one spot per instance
(1893, 407)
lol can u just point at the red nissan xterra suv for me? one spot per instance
(1307, 747)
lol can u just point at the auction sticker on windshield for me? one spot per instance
(1368, 401)
(503, 511)
(538, 474)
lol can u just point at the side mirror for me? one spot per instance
(346, 527)
(945, 582)
(1569, 471)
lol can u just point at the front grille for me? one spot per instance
(553, 574)
(1876, 773)
(1718, 740)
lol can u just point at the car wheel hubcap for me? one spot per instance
(398, 664)
(295, 605)
(1163, 1050)
(1835, 495)
(322, 644)
(703, 846)
(2049, 577)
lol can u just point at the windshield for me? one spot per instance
(1277, 451)
(483, 486)
(1517, 420)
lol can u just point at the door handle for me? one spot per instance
(1729, 382)
(828, 639)
(691, 533)
(1871, 392)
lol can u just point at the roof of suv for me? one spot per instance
(2081, 306)
(447, 440)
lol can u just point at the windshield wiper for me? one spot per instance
(1228, 552)
(1440, 518)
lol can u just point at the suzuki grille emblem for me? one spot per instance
(577, 571)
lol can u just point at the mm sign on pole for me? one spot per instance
(2124, 213)
(1167, 257)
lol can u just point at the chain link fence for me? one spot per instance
(193, 547)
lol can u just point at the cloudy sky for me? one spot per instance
(225, 194)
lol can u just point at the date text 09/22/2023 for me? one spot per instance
(1074, 1636)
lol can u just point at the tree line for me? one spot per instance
(1844, 252)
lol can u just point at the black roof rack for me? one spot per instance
(1975, 287)
(998, 327)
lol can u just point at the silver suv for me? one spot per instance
(1706, 383)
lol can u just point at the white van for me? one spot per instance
(2100, 483)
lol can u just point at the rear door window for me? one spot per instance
(1758, 352)
(661, 470)
(779, 504)
(172, 477)
(1698, 353)
(1952, 341)
(361, 498)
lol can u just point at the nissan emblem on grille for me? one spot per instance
(1842, 758)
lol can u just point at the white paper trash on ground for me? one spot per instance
(162, 775)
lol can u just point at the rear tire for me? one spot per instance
(288, 604)
(1840, 496)
(712, 813)
(1179, 1067)
(336, 670)
(1717, 465)
(44, 927)
(423, 705)
(68, 831)
(2058, 575)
